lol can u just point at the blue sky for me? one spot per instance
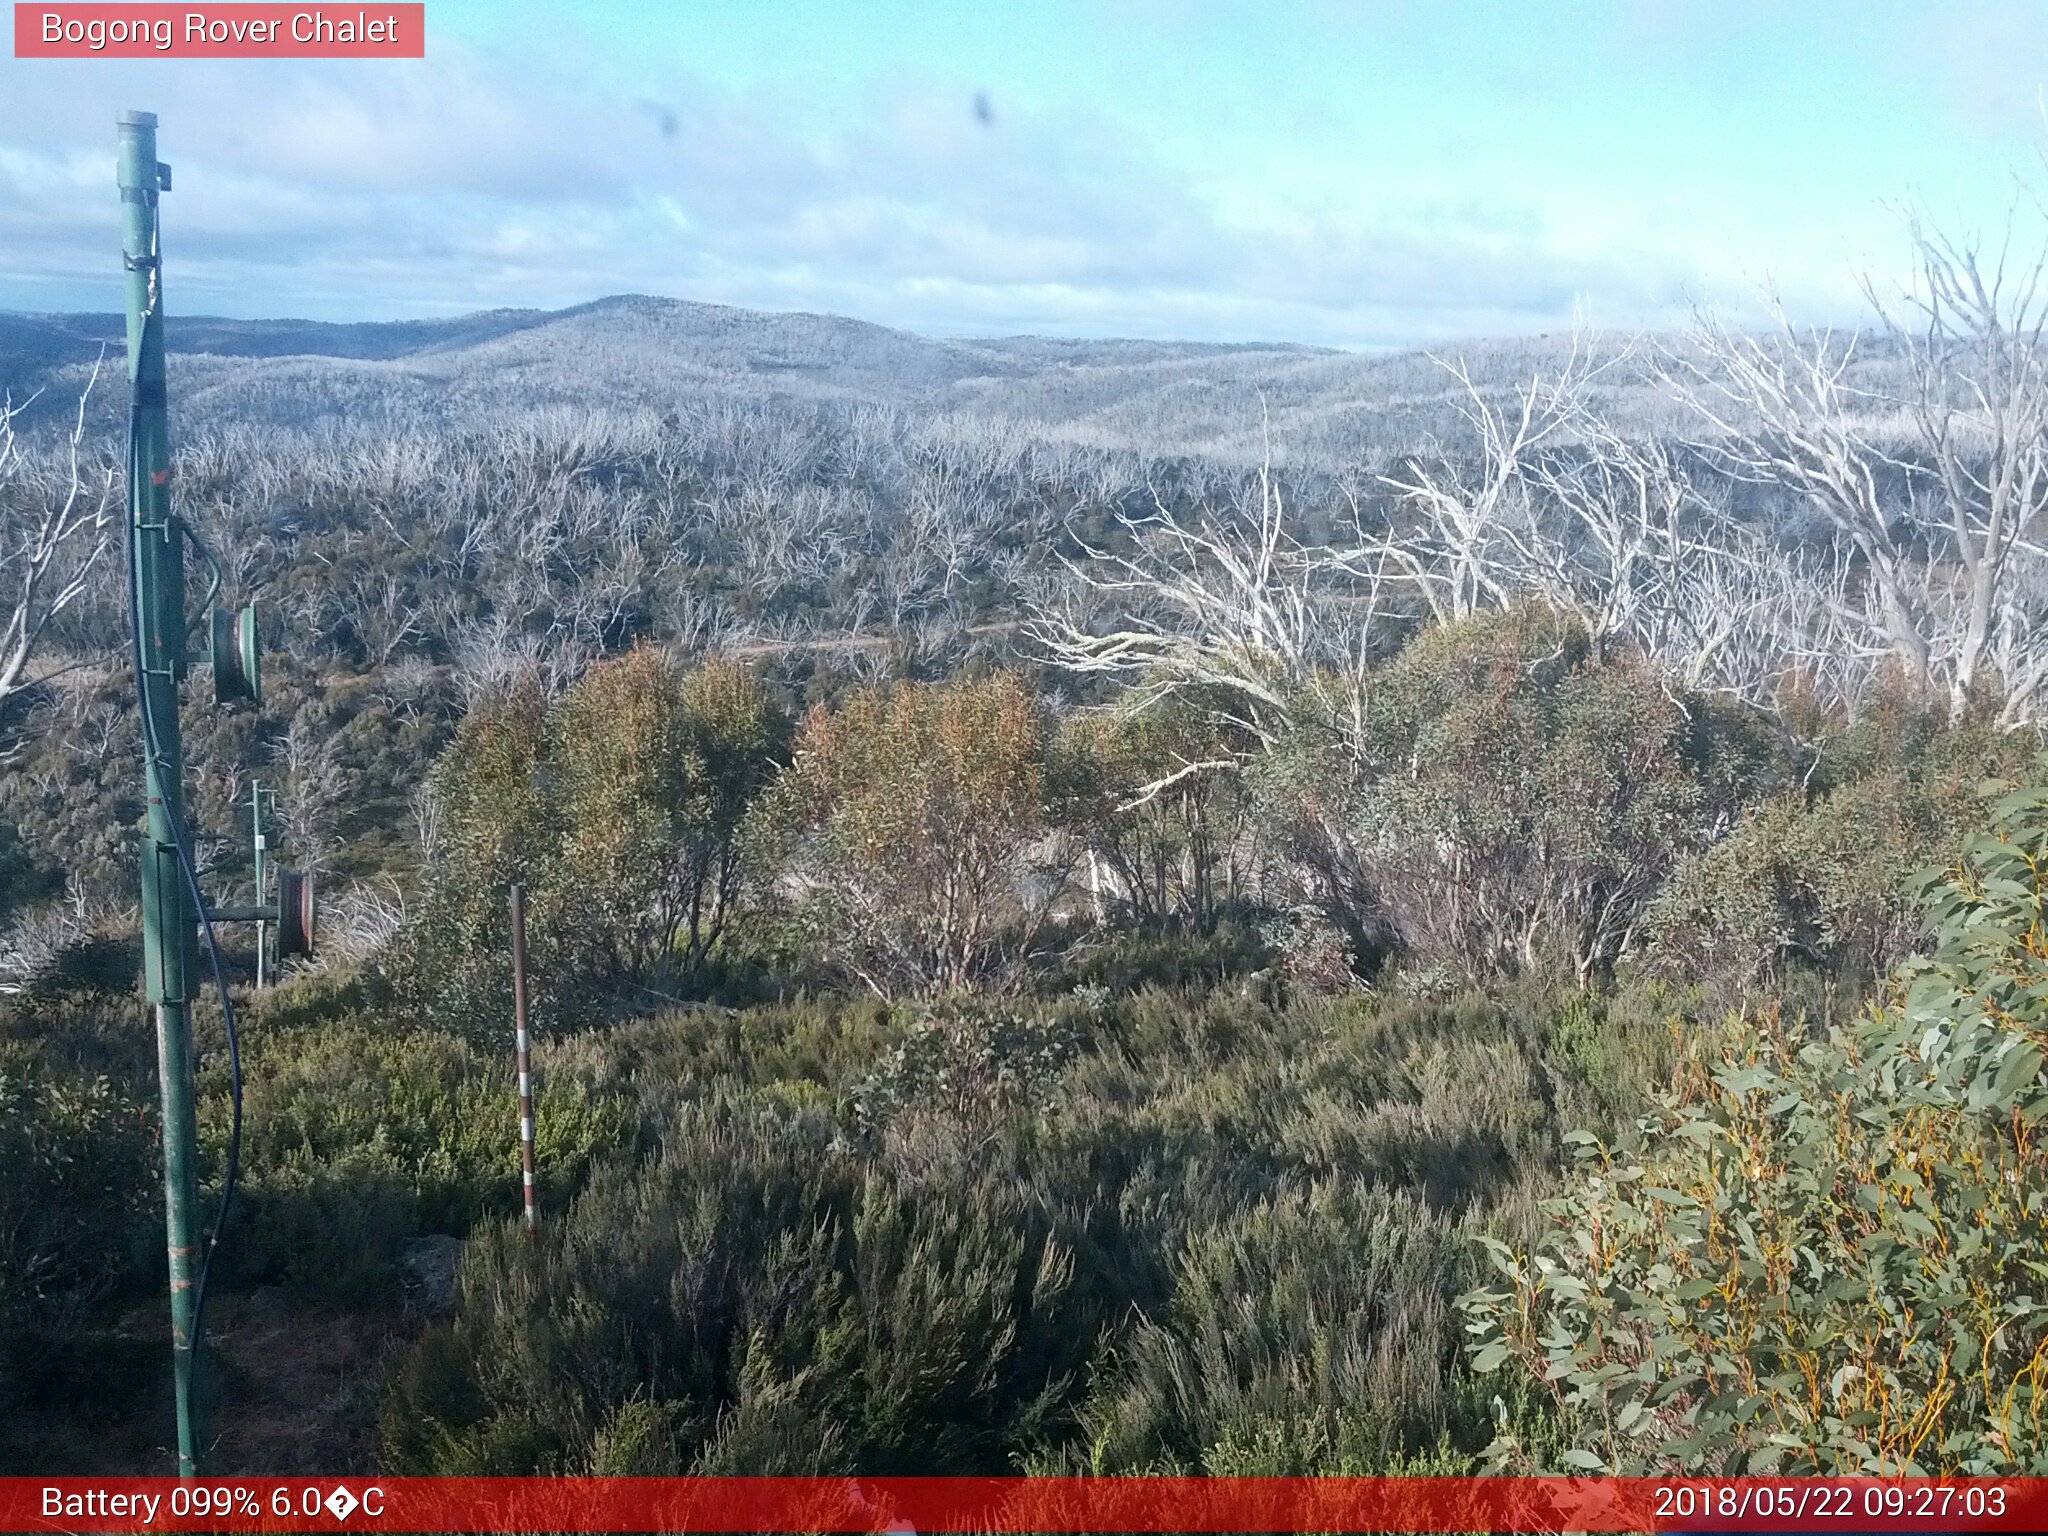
(1360, 175)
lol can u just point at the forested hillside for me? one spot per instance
(1095, 906)
(484, 371)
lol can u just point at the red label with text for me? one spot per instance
(236, 31)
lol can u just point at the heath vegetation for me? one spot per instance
(1094, 907)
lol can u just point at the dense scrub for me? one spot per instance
(1059, 959)
(941, 1079)
(1820, 1252)
(1094, 906)
(621, 809)
(1507, 802)
(892, 1239)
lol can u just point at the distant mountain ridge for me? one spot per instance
(37, 342)
(633, 351)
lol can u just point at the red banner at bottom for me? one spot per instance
(1051, 1504)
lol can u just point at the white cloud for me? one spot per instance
(349, 190)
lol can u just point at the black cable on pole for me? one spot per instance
(182, 841)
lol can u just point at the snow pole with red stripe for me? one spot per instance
(524, 1049)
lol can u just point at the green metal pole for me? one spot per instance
(168, 921)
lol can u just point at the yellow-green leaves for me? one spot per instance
(1831, 1263)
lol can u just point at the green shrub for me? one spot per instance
(1613, 1051)
(1076, 1204)
(968, 1063)
(1824, 882)
(492, 826)
(356, 1139)
(620, 808)
(1823, 1254)
(1508, 802)
(1165, 815)
(750, 1284)
(1308, 1331)
(915, 827)
(74, 1202)
(1126, 959)
(651, 771)
(81, 1223)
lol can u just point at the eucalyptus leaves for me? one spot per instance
(1820, 1255)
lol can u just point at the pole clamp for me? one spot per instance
(141, 263)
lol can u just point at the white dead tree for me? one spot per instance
(1231, 606)
(37, 938)
(310, 789)
(1785, 411)
(1605, 530)
(1978, 398)
(1459, 502)
(1550, 501)
(1239, 607)
(378, 607)
(1929, 461)
(359, 922)
(1622, 535)
(57, 522)
(494, 655)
